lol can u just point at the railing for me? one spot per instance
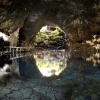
(16, 52)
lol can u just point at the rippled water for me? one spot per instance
(52, 74)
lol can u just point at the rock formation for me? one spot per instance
(79, 19)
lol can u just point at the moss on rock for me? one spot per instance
(50, 37)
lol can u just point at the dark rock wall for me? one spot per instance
(78, 18)
(6, 2)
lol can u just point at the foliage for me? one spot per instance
(41, 36)
(50, 36)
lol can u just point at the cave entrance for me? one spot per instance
(49, 37)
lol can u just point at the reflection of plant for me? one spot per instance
(50, 62)
(95, 58)
(95, 42)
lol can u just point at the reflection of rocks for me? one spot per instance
(94, 58)
(17, 68)
(89, 54)
(51, 62)
(80, 80)
(28, 68)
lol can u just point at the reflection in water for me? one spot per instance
(42, 63)
(51, 62)
(8, 68)
(28, 68)
(4, 66)
(94, 42)
(30, 77)
(94, 58)
(48, 63)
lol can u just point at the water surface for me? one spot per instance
(52, 75)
